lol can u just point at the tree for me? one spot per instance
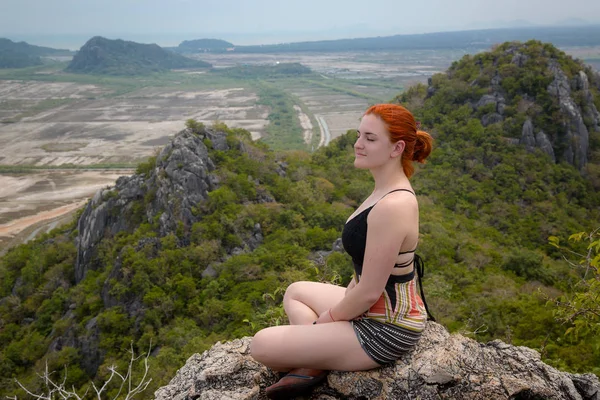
(582, 307)
(127, 388)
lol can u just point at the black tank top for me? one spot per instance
(354, 235)
(354, 240)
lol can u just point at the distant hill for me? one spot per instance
(203, 45)
(31, 50)
(531, 94)
(119, 57)
(21, 54)
(470, 41)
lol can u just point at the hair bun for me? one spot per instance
(423, 146)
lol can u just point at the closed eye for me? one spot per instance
(369, 138)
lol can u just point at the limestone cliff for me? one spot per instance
(442, 366)
(179, 179)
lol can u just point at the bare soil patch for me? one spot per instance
(93, 129)
(43, 200)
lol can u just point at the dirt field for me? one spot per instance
(35, 203)
(112, 130)
(361, 65)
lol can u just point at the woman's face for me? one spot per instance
(373, 147)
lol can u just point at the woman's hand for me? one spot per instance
(325, 317)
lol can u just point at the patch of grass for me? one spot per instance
(59, 147)
(284, 130)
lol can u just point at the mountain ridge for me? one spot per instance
(22, 54)
(469, 40)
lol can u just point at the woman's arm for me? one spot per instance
(351, 285)
(388, 225)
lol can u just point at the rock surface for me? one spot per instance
(576, 135)
(442, 366)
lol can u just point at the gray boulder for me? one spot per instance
(491, 118)
(527, 136)
(538, 140)
(543, 142)
(442, 366)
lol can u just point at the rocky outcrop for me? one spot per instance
(527, 137)
(539, 140)
(168, 193)
(575, 136)
(442, 366)
(496, 99)
(498, 105)
(589, 112)
(180, 179)
(543, 143)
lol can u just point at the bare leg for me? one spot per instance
(305, 301)
(303, 345)
(324, 346)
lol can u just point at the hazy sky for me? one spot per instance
(262, 21)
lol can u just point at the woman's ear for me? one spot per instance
(398, 148)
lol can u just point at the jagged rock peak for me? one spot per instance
(167, 187)
(442, 366)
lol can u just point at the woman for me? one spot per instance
(330, 329)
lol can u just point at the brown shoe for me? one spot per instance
(295, 383)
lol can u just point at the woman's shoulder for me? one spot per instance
(396, 204)
(398, 197)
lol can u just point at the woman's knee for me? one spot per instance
(259, 347)
(294, 290)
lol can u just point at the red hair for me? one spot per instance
(401, 125)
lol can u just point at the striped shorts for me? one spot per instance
(384, 343)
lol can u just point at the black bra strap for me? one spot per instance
(406, 252)
(402, 265)
(396, 190)
(420, 267)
